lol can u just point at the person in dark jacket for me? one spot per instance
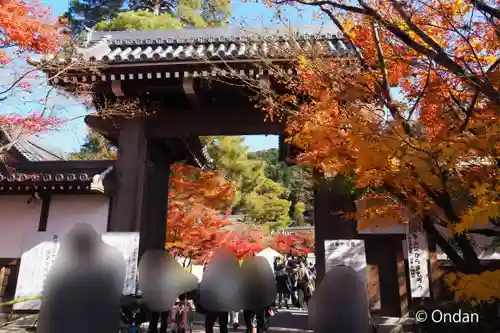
(211, 317)
(282, 283)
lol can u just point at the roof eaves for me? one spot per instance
(31, 151)
(220, 34)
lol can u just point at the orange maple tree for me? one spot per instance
(243, 242)
(194, 220)
(410, 113)
(299, 243)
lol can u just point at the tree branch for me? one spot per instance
(342, 30)
(443, 244)
(493, 66)
(422, 93)
(481, 5)
(426, 38)
(443, 200)
(485, 232)
(384, 86)
(348, 8)
(438, 54)
(468, 112)
(441, 58)
(16, 82)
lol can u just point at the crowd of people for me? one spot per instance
(83, 290)
(295, 283)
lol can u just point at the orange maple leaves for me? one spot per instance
(194, 221)
(27, 25)
(418, 95)
(196, 227)
(413, 111)
(299, 243)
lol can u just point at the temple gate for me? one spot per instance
(173, 76)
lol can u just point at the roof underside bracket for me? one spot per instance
(188, 87)
(116, 87)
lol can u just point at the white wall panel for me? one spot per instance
(17, 219)
(69, 210)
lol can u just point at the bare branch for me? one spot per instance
(16, 82)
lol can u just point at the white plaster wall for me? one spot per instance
(17, 219)
(68, 210)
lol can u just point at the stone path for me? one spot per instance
(293, 321)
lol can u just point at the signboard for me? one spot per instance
(347, 252)
(39, 253)
(128, 245)
(418, 258)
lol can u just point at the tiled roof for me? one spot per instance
(290, 230)
(211, 43)
(56, 176)
(32, 152)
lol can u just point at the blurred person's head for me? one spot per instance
(82, 240)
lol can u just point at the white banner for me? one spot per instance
(347, 252)
(418, 258)
(39, 253)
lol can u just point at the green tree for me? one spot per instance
(160, 14)
(298, 213)
(260, 199)
(83, 14)
(95, 147)
(267, 205)
(140, 20)
(297, 179)
(196, 13)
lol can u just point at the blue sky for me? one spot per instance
(69, 137)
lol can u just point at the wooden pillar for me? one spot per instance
(389, 271)
(330, 198)
(403, 282)
(141, 196)
(155, 207)
(436, 274)
(130, 172)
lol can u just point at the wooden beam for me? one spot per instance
(235, 120)
(44, 213)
